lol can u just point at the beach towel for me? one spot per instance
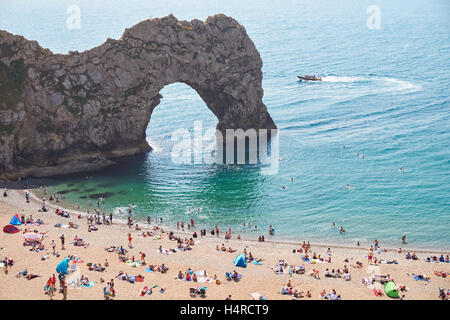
(73, 282)
(258, 263)
(417, 278)
(257, 296)
(10, 229)
(139, 279)
(134, 264)
(89, 285)
(377, 292)
(148, 270)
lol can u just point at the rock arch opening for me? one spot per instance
(179, 108)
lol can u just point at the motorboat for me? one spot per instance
(309, 78)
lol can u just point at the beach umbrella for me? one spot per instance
(391, 290)
(62, 266)
(240, 261)
(32, 236)
(15, 220)
(10, 229)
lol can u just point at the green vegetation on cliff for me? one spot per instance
(12, 81)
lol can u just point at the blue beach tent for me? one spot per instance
(15, 220)
(240, 261)
(62, 266)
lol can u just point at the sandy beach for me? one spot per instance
(255, 278)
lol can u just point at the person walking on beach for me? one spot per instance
(53, 282)
(129, 241)
(53, 246)
(65, 292)
(62, 242)
(6, 265)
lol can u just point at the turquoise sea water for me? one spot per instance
(385, 94)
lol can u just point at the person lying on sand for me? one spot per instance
(315, 274)
(27, 275)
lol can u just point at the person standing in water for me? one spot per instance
(404, 239)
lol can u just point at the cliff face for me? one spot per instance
(68, 113)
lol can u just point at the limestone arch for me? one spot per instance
(78, 111)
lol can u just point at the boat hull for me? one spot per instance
(308, 79)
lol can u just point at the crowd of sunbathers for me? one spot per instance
(62, 213)
(330, 296)
(78, 242)
(95, 267)
(224, 249)
(119, 250)
(197, 276)
(412, 256)
(283, 267)
(438, 259)
(305, 247)
(288, 290)
(338, 274)
(233, 276)
(29, 220)
(27, 275)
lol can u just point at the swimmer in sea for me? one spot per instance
(284, 187)
(291, 179)
(348, 186)
(341, 230)
(401, 169)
